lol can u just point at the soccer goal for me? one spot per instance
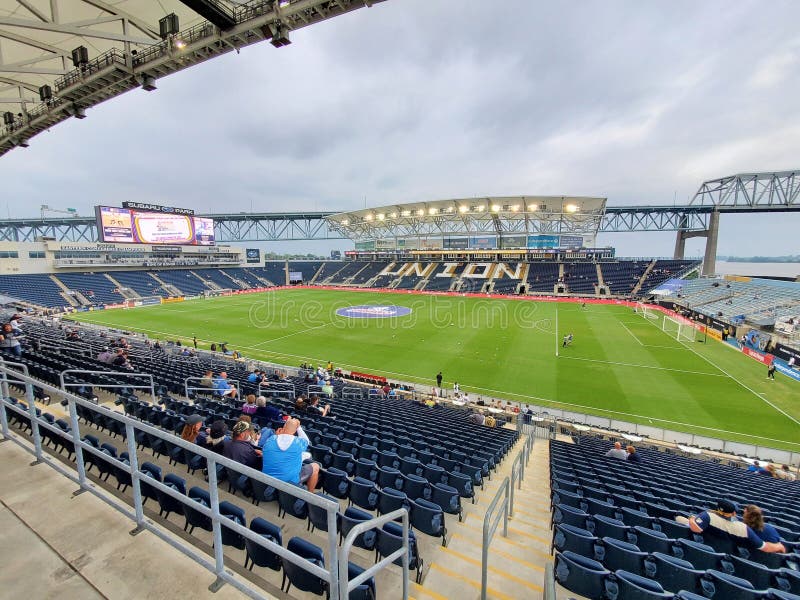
(647, 311)
(683, 332)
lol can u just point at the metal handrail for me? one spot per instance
(211, 390)
(329, 574)
(347, 585)
(119, 374)
(549, 592)
(490, 527)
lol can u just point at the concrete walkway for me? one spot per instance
(56, 545)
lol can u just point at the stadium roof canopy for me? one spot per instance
(43, 82)
(501, 215)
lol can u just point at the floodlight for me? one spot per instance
(45, 93)
(515, 208)
(532, 207)
(463, 209)
(180, 44)
(495, 208)
(572, 208)
(80, 57)
(368, 217)
(480, 208)
(421, 212)
(432, 211)
(405, 213)
(345, 222)
(381, 216)
(449, 209)
(168, 26)
(148, 83)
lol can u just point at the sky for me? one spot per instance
(415, 100)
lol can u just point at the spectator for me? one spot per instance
(121, 360)
(240, 448)
(327, 389)
(9, 342)
(192, 428)
(213, 438)
(632, 455)
(249, 407)
(283, 456)
(785, 473)
(721, 523)
(222, 387)
(300, 404)
(753, 517)
(105, 356)
(207, 380)
(255, 377)
(617, 452)
(477, 418)
(314, 409)
(266, 411)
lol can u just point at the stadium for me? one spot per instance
(458, 380)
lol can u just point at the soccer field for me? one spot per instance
(620, 364)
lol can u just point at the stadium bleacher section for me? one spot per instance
(36, 289)
(140, 282)
(95, 287)
(614, 528)
(580, 277)
(622, 276)
(665, 269)
(543, 276)
(186, 281)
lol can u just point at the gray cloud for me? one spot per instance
(413, 100)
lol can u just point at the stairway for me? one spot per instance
(517, 562)
(265, 281)
(170, 289)
(125, 292)
(639, 283)
(72, 297)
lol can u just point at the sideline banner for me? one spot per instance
(168, 300)
(762, 358)
(714, 333)
(787, 371)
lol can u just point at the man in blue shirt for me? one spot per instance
(283, 456)
(722, 521)
(222, 387)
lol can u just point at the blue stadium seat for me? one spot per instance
(674, 574)
(617, 554)
(581, 575)
(255, 554)
(573, 539)
(630, 586)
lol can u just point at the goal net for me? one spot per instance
(647, 311)
(683, 332)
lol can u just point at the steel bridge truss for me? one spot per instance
(775, 191)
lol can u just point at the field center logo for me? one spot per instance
(373, 312)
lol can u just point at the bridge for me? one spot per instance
(738, 194)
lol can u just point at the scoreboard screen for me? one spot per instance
(131, 226)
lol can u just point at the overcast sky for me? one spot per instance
(428, 99)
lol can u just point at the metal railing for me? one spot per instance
(210, 390)
(348, 585)
(116, 374)
(549, 592)
(490, 522)
(329, 573)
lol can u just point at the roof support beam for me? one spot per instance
(56, 28)
(34, 11)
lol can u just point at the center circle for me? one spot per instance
(368, 311)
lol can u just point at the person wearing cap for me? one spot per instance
(191, 428)
(721, 523)
(283, 456)
(213, 438)
(240, 447)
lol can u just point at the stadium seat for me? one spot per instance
(195, 518)
(757, 574)
(351, 518)
(674, 574)
(390, 539)
(288, 503)
(428, 518)
(568, 538)
(581, 575)
(573, 516)
(235, 514)
(729, 587)
(651, 540)
(257, 555)
(390, 499)
(167, 503)
(335, 482)
(318, 516)
(617, 554)
(447, 498)
(294, 575)
(363, 493)
(701, 556)
(630, 586)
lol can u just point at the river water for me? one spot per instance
(758, 269)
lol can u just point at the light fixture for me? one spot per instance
(572, 208)
(495, 208)
(481, 208)
(462, 209)
(405, 213)
(368, 217)
(179, 44)
(432, 211)
(345, 222)
(532, 207)
(515, 208)
(148, 83)
(80, 57)
(449, 209)
(381, 216)
(45, 93)
(168, 26)
(421, 212)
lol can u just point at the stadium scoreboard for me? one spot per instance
(138, 223)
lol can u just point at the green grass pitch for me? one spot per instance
(620, 364)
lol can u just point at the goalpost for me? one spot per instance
(647, 311)
(683, 332)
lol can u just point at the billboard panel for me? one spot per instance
(543, 241)
(456, 243)
(514, 241)
(483, 242)
(571, 241)
(253, 255)
(126, 225)
(368, 245)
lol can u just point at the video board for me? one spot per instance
(164, 225)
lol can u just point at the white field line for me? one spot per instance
(588, 409)
(633, 335)
(288, 335)
(622, 364)
(748, 388)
